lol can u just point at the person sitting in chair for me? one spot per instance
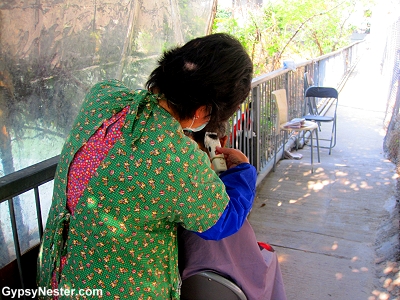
(251, 265)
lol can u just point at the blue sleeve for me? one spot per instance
(240, 183)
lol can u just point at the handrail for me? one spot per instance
(19, 182)
(27, 179)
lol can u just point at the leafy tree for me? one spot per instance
(289, 29)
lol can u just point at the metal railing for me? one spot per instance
(19, 182)
(257, 117)
(253, 127)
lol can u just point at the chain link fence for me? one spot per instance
(391, 70)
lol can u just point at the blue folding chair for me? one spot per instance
(312, 95)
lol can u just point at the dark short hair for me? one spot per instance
(214, 70)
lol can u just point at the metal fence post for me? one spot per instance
(255, 103)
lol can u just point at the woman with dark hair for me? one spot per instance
(128, 175)
(213, 72)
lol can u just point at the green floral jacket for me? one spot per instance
(121, 238)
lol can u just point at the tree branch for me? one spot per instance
(303, 23)
(45, 131)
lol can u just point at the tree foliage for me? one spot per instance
(289, 29)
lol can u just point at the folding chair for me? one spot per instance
(282, 119)
(208, 285)
(314, 113)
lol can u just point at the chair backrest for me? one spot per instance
(321, 92)
(282, 106)
(210, 286)
(318, 92)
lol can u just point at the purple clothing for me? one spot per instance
(237, 257)
(240, 185)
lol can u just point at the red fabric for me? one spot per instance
(89, 157)
(266, 246)
(244, 123)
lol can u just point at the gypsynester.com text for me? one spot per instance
(45, 292)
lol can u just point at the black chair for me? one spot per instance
(312, 95)
(208, 285)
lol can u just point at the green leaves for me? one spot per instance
(289, 29)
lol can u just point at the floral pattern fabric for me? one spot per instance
(121, 237)
(85, 163)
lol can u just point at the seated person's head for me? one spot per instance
(220, 128)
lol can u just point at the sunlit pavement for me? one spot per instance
(332, 229)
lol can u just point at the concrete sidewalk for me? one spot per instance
(332, 228)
